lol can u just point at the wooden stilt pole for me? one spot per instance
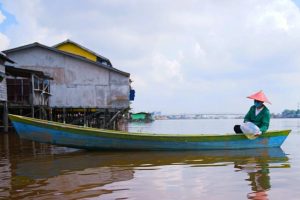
(50, 114)
(5, 117)
(33, 96)
(84, 117)
(40, 112)
(64, 115)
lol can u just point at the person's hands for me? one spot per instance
(257, 134)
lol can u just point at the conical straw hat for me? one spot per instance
(259, 96)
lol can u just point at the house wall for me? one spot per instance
(76, 83)
(3, 90)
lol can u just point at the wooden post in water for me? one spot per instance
(5, 116)
(40, 112)
(32, 99)
(64, 115)
(33, 148)
(6, 144)
(105, 118)
(50, 114)
(84, 117)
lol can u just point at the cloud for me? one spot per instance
(28, 28)
(4, 41)
(2, 17)
(166, 70)
(180, 55)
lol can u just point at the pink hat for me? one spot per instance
(259, 96)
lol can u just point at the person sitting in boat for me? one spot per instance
(258, 115)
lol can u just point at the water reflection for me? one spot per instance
(39, 171)
(258, 170)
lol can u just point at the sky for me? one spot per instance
(192, 56)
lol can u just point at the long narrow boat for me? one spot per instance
(91, 138)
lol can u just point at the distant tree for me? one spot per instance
(290, 113)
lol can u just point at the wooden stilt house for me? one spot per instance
(86, 89)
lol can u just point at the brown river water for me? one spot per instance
(30, 170)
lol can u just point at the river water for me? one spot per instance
(29, 170)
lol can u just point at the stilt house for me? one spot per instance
(86, 88)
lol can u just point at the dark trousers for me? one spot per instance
(237, 129)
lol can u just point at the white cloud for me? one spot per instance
(2, 17)
(4, 41)
(28, 28)
(199, 52)
(165, 70)
(196, 52)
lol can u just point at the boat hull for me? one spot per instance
(90, 138)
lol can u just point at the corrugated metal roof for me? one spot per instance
(4, 56)
(20, 72)
(36, 44)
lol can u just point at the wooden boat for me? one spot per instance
(91, 138)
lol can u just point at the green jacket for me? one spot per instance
(262, 120)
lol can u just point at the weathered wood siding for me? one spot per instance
(76, 83)
(3, 90)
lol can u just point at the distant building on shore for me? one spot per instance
(141, 117)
